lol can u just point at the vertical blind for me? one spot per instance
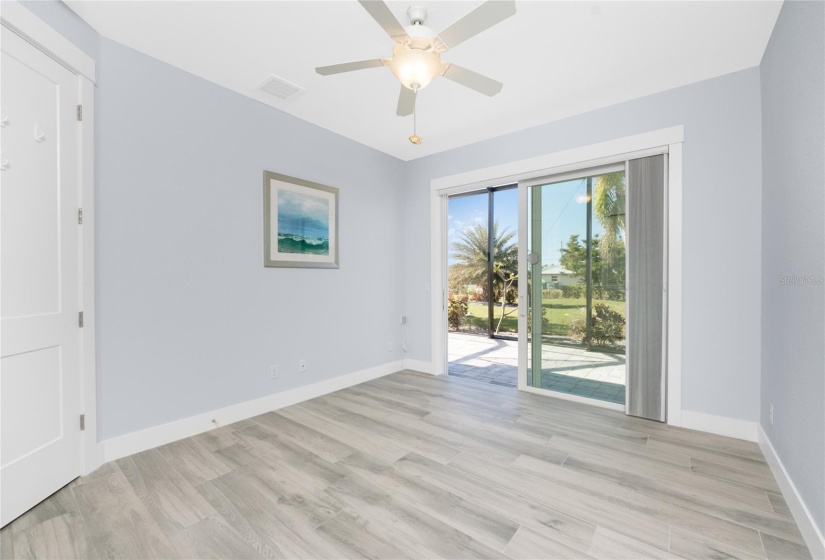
(646, 308)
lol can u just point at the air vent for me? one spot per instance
(279, 87)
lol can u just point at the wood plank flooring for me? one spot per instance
(415, 466)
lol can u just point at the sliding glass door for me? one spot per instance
(576, 262)
(573, 265)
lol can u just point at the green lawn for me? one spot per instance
(561, 313)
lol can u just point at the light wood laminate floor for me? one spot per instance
(415, 466)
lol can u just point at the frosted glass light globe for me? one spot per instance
(415, 67)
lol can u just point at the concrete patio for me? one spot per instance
(564, 369)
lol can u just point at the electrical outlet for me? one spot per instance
(770, 413)
(403, 319)
(274, 372)
(302, 366)
(389, 346)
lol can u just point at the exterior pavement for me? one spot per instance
(564, 369)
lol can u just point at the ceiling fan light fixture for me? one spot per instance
(416, 57)
(415, 68)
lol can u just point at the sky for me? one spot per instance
(466, 211)
(564, 213)
(304, 215)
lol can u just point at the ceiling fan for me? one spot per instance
(416, 56)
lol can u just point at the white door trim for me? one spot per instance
(438, 283)
(88, 368)
(17, 19)
(593, 155)
(674, 284)
(667, 140)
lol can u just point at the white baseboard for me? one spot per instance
(418, 365)
(807, 526)
(135, 442)
(720, 425)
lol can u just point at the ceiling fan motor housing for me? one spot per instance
(417, 14)
(420, 36)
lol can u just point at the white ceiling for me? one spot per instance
(556, 59)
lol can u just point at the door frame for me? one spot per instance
(14, 18)
(666, 140)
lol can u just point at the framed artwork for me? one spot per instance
(300, 223)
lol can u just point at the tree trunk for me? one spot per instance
(504, 291)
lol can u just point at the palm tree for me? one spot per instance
(608, 205)
(471, 252)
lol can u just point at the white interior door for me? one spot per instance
(40, 376)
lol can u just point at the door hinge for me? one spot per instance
(80, 112)
(80, 319)
(80, 215)
(82, 422)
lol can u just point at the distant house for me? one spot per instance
(554, 276)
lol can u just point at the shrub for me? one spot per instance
(607, 327)
(545, 322)
(456, 311)
(477, 295)
(458, 297)
(616, 294)
(511, 295)
(573, 292)
(553, 293)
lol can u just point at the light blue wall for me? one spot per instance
(188, 319)
(793, 244)
(721, 207)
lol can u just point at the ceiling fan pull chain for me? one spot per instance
(415, 138)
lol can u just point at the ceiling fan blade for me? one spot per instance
(406, 102)
(381, 13)
(349, 66)
(480, 19)
(472, 80)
